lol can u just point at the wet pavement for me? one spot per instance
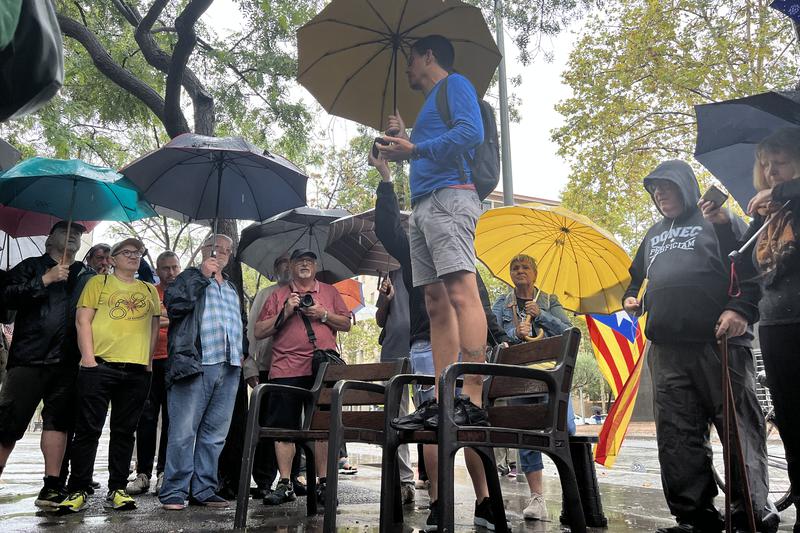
(631, 494)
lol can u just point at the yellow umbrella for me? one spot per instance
(578, 261)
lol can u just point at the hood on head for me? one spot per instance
(682, 175)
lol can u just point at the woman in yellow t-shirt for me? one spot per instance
(117, 321)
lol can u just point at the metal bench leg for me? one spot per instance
(588, 488)
(389, 493)
(251, 438)
(332, 479)
(446, 499)
(311, 480)
(569, 486)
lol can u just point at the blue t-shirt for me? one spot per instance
(441, 149)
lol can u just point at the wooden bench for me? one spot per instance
(540, 427)
(336, 387)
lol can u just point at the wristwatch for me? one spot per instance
(324, 317)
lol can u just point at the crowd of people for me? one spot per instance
(99, 333)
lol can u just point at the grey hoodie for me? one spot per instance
(688, 273)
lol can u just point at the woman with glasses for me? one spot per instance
(117, 320)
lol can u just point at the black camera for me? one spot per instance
(306, 300)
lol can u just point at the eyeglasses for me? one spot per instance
(131, 254)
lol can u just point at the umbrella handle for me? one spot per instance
(737, 254)
(528, 338)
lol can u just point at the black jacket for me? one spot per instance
(780, 302)
(45, 315)
(688, 271)
(389, 230)
(185, 301)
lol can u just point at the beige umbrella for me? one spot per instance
(353, 54)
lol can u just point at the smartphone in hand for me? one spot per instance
(715, 195)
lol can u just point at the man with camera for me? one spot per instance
(288, 315)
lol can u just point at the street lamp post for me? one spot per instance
(505, 140)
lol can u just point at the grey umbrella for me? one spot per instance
(352, 240)
(304, 227)
(14, 251)
(727, 133)
(218, 177)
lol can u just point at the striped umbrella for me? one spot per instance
(352, 240)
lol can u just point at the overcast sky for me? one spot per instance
(537, 169)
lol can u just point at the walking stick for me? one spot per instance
(730, 424)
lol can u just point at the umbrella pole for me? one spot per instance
(220, 164)
(734, 255)
(69, 220)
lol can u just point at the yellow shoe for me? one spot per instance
(75, 502)
(119, 500)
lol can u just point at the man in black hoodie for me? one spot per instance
(688, 308)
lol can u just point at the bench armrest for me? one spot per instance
(257, 396)
(394, 391)
(341, 388)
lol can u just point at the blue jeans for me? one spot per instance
(422, 364)
(200, 409)
(531, 460)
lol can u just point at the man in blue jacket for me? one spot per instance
(445, 209)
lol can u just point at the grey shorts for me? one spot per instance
(442, 234)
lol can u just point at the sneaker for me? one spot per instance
(483, 514)
(119, 500)
(503, 470)
(74, 502)
(416, 420)
(299, 486)
(536, 509)
(466, 414)
(432, 523)
(50, 498)
(283, 493)
(422, 484)
(512, 472)
(173, 506)
(347, 469)
(407, 493)
(139, 485)
(321, 490)
(159, 482)
(215, 501)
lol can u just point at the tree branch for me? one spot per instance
(114, 72)
(187, 40)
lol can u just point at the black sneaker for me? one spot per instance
(321, 489)
(484, 516)
(416, 420)
(50, 498)
(466, 414)
(283, 493)
(432, 523)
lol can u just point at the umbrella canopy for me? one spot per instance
(72, 189)
(727, 133)
(790, 8)
(352, 292)
(304, 227)
(352, 240)
(353, 52)
(20, 223)
(14, 251)
(9, 156)
(579, 262)
(218, 177)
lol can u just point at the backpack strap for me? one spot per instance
(443, 107)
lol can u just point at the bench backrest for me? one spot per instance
(553, 352)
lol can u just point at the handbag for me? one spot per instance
(320, 356)
(32, 65)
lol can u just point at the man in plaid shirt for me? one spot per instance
(206, 346)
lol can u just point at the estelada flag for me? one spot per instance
(619, 344)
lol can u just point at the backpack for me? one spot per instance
(485, 165)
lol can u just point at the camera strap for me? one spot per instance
(312, 338)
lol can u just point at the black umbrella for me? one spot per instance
(218, 177)
(304, 227)
(727, 133)
(352, 240)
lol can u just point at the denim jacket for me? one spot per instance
(552, 318)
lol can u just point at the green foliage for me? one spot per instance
(636, 74)
(360, 344)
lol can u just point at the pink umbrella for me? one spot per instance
(22, 223)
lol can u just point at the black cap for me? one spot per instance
(302, 252)
(63, 224)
